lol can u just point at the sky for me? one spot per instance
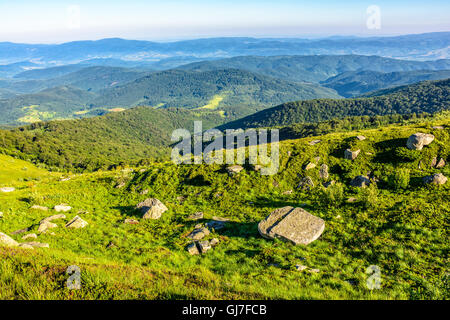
(57, 21)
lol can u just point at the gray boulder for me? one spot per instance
(76, 223)
(198, 233)
(7, 241)
(351, 155)
(437, 178)
(292, 224)
(360, 181)
(152, 208)
(418, 140)
(323, 172)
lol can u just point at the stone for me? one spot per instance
(1, 215)
(25, 246)
(352, 199)
(36, 207)
(306, 183)
(7, 189)
(7, 241)
(54, 217)
(360, 182)
(152, 208)
(203, 246)
(43, 227)
(37, 244)
(192, 249)
(300, 267)
(196, 216)
(29, 236)
(235, 169)
(314, 270)
(440, 164)
(144, 192)
(217, 223)
(361, 138)
(214, 242)
(418, 140)
(62, 208)
(131, 221)
(76, 223)
(314, 142)
(329, 183)
(198, 234)
(438, 127)
(437, 178)
(120, 185)
(292, 224)
(256, 167)
(434, 162)
(323, 172)
(288, 192)
(351, 155)
(20, 231)
(310, 165)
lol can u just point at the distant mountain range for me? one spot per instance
(417, 46)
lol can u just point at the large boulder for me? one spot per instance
(7, 241)
(418, 140)
(360, 181)
(152, 208)
(437, 178)
(351, 155)
(292, 224)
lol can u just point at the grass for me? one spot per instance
(214, 102)
(403, 231)
(34, 115)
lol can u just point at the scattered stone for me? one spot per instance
(438, 127)
(20, 231)
(30, 236)
(181, 199)
(361, 138)
(46, 225)
(54, 217)
(36, 207)
(196, 216)
(310, 165)
(192, 249)
(198, 226)
(360, 182)
(300, 267)
(292, 224)
(306, 183)
(152, 208)
(369, 153)
(434, 162)
(142, 170)
(198, 234)
(64, 179)
(217, 223)
(288, 192)
(37, 244)
(214, 242)
(76, 223)
(418, 140)
(351, 155)
(440, 164)
(131, 221)
(120, 185)
(82, 212)
(1, 215)
(437, 178)
(311, 143)
(203, 246)
(329, 183)
(6, 240)
(144, 192)
(275, 183)
(62, 208)
(7, 189)
(352, 199)
(323, 172)
(314, 270)
(235, 169)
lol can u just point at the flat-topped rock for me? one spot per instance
(29, 236)
(130, 221)
(418, 140)
(152, 208)
(76, 223)
(62, 208)
(54, 217)
(234, 169)
(351, 155)
(7, 241)
(196, 216)
(198, 233)
(46, 225)
(310, 165)
(292, 224)
(42, 208)
(37, 244)
(7, 189)
(361, 138)
(314, 142)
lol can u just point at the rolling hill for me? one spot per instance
(355, 83)
(427, 96)
(315, 68)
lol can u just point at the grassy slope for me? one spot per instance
(404, 232)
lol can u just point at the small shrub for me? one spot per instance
(369, 196)
(333, 195)
(399, 179)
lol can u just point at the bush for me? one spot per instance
(407, 155)
(369, 196)
(399, 179)
(333, 195)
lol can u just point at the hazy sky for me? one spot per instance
(48, 21)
